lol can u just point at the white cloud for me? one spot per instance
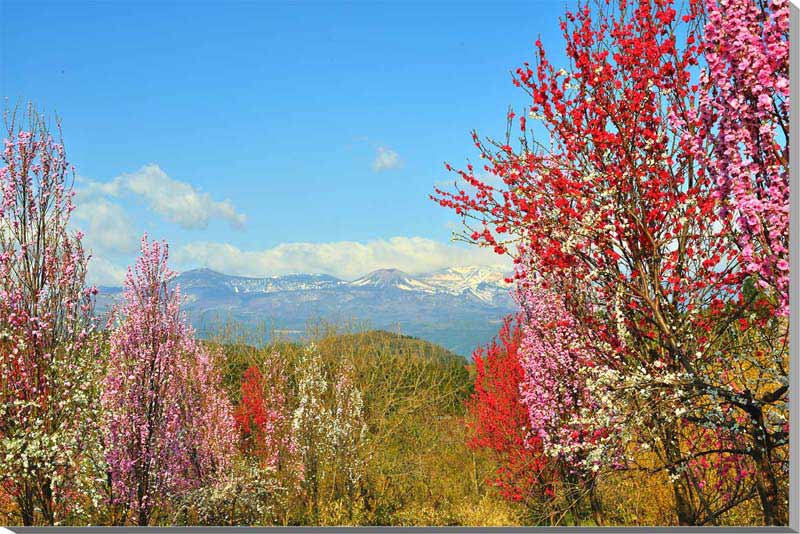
(111, 235)
(343, 259)
(386, 159)
(176, 201)
(108, 232)
(102, 272)
(106, 226)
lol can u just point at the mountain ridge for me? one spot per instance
(454, 280)
(458, 308)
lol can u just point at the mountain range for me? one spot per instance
(458, 308)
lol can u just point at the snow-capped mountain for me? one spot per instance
(458, 308)
(243, 284)
(391, 278)
(485, 283)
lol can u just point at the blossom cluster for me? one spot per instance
(169, 428)
(745, 115)
(649, 230)
(46, 325)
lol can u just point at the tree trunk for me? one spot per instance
(594, 502)
(48, 515)
(683, 507)
(775, 513)
(143, 518)
(25, 504)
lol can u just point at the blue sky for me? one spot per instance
(265, 138)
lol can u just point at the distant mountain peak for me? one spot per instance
(483, 283)
(384, 274)
(486, 284)
(201, 270)
(391, 279)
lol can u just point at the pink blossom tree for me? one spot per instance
(207, 413)
(562, 413)
(169, 425)
(745, 116)
(45, 324)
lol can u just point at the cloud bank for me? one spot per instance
(176, 201)
(343, 259)
(102, 272)
(113, 238)
(111, 235)
(106, 226)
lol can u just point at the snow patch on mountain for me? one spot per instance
(392, 278)
(486, 284)
(459, 308)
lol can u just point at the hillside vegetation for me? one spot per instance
(409, 463)
(417, 469)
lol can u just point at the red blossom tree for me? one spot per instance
(251, 414)
(263, 417)
(498, 421)
(617, 213)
